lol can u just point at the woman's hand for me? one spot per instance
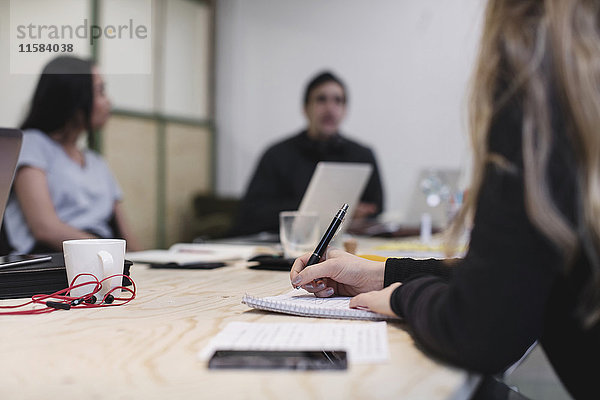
(377, 301)
(340, 273)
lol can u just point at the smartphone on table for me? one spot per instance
(279, 359)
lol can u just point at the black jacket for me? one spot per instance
(511, 288)
(284, 172)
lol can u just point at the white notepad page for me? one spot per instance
(193, 253)
(364, 342)
(301, 302)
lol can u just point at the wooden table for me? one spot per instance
(148, 349)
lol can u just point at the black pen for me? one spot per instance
(329, 234)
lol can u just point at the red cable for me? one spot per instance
(68, 300)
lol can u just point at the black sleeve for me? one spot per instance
(264, 199)
(490, 310)
(374, 190)
(402, 269)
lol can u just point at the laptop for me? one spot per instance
(432, 194)
(10, 147)
(331, 185)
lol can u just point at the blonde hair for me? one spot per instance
(551, 49)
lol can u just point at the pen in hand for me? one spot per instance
(316, 256)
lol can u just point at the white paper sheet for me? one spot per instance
(365, 342)
(301, 302)
(193, 253)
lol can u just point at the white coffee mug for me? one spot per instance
(99, 257)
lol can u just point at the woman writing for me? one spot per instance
(532, 270)
(61, 191)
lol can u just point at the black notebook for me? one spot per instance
(40, 278)
(271, 262)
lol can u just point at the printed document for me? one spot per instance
(364, 342)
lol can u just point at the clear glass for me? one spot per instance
(298, 232)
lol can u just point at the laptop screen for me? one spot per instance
(333, 184)
(10, 146)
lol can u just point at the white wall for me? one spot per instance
(406, 64)
(17, 88)
(185, 54)
(179, 79)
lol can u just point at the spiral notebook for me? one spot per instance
(300, 302)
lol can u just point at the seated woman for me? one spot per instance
(532, 270)
(60, 190)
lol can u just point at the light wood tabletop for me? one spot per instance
(148, 349)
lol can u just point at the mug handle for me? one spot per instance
(107, 261)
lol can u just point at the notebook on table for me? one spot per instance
(194, 255)
(300, 302)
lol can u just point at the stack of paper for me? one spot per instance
(417, 249)
(194, 255)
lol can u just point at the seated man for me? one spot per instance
(285, 169)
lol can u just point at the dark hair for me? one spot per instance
(64, 89)
(320, 79)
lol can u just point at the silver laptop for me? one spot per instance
(332, 185)
(10, 147)
(432, 194)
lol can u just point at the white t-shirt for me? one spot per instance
(83, 197)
